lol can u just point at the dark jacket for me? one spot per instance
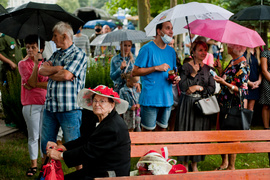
(107, 148)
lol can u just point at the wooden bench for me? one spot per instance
(233, 142)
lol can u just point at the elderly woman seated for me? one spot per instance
(103, 146)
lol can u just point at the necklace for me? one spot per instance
(237, 58)
(163, 47)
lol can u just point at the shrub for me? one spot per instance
(98, 73)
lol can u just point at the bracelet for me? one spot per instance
(62, 155)
(200, 89)
(233, 87)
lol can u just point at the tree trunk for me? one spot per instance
(144, 13)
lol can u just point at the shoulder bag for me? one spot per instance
(207, 106)
(235, 117)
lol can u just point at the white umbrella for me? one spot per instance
(194, 10)
(114, 38)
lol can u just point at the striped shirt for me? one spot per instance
(83, 43)
(62, 95)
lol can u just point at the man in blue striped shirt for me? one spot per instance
(66, 70)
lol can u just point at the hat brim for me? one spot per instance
(85, 101)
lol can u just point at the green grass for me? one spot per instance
(14, 161)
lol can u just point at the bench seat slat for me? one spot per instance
(198, 136)
(203, 149)
(242, 174)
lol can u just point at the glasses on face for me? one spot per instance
(99, 102)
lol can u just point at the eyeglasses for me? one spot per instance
(100, 102)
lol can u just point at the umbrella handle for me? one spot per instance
(191, 54)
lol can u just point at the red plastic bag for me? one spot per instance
(53, 170)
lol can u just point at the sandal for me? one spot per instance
(221, 168)
(31, 171)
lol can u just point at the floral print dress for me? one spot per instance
(236, 75)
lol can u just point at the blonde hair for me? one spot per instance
(257, 51)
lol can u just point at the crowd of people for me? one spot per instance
(143, 98)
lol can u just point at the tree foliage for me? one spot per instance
(69, 5)
(84, 3)
(4, 3)
(98, 3)
(156, 6)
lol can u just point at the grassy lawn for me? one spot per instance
(14, 161)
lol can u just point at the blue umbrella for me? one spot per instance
(91, 24)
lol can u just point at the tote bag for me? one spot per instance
(208, 105)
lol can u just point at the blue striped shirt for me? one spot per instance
(62, 95)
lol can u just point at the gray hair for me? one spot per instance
(63, 27)
(237, 49)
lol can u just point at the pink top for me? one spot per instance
(35, 95)
(209, 59)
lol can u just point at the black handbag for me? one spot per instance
(235, 117)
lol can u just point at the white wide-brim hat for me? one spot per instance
(85, 98)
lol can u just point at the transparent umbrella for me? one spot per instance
(183, 13)
(114, 38)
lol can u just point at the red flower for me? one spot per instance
(106, 91)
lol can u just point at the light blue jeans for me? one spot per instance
(70, 123)
(150, 116)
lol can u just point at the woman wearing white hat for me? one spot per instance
(104, 147)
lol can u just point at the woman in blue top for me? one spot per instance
(121, 63)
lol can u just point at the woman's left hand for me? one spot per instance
(194, 88)
(54, 154)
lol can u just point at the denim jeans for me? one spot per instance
(70, 123)
(150, 116)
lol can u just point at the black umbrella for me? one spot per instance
(259, 12)
(36, 18)
(2, 10)
(91, 13)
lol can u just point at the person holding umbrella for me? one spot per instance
(66, 70)
(232, 80)
(122, 64)
(154, 61)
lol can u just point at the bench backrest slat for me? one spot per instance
(198, 136)
(203, 149)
